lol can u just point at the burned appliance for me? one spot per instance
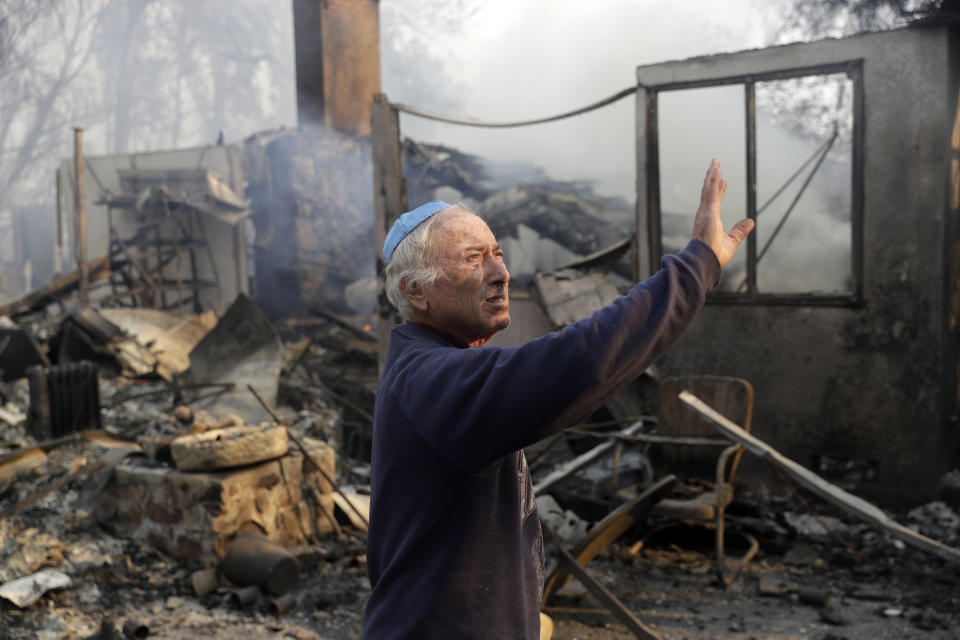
(63, 399)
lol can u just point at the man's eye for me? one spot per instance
(473, 257)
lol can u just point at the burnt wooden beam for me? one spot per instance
(617, 608)
(97, 269)
(826, 490)
(582, 460)
(389, 199)
(608, 531)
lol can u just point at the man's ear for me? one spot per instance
(415, 295)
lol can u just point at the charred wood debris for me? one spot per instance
(145, 489)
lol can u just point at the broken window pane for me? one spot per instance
(804, 165)
(695, 125)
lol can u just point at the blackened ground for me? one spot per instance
(874, 589)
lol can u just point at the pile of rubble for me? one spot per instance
(312, 204)
(146, 456)
(219, 489)
(543, 224)
(207, 475)
(310, 198)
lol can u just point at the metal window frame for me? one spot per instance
(853, 69)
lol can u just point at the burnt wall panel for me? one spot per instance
(951, 289)
(855, 392)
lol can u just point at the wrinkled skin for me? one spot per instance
(469, 302)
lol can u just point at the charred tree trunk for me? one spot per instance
(121, 127)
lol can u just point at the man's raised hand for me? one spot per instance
(708, 227)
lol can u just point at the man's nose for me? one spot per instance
(496, 270)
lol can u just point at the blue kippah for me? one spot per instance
(407, 223)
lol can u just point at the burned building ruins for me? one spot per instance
(847, 326)
(185, 449)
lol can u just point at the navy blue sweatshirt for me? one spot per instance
(454, 548)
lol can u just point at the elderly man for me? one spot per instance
(455, 548)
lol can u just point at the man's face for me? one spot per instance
(469, 300)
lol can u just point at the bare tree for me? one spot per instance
(192, 69)
(137, 75)
(412, 57)
(118, 36)
(803, 20)
(814, 106)
(45, 45)
(158, 73)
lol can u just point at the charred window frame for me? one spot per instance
(748, 291)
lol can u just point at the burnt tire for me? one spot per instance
(229, 447)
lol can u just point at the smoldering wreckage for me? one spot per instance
(175, 474)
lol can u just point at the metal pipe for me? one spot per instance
(254, 559)
(279, 606)
(81, 217)
(241, 598)
(205, 581)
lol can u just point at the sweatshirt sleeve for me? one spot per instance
(476, 405)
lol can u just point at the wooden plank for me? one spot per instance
(653, 438)
(601, 256)
(389, 198)
(582, 460)
(828, 491)
(608, 530)
(98, 269)
(570, 296)
(616, 523)
(617, 608)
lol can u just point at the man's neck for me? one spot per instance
(457, 342)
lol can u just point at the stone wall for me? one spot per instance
(311, 194)
(194, 514)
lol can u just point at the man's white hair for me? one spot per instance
(414, 264)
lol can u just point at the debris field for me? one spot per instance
(233, 503)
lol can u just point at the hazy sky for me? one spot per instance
(514, 60)
(523, 59)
